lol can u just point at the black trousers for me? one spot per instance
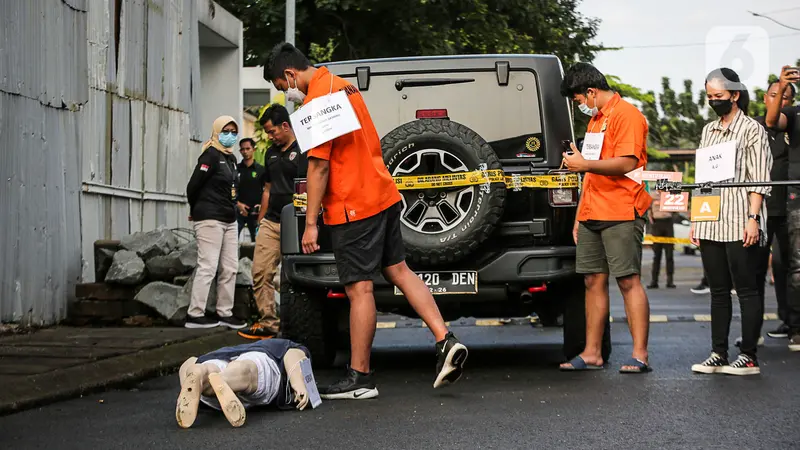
(729, 265)
(663, 228)
(251, 221)
(793, 294)
(778, 239)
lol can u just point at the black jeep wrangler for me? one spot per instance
(485, 250)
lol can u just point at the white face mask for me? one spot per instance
(585, 108)
(294, 94)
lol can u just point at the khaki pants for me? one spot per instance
(217, 248)
(265, 265)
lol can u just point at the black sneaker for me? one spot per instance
(232, 322)
(451, 357)
(782, 332)
(355, 386)
(713, 364)
(653, 285)
(201, 322)
(700, 289)
(257, 332)
(671, 285)
(744, 365)
(794, 343)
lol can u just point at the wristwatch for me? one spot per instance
(755, 217)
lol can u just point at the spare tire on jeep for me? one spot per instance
(443, 225)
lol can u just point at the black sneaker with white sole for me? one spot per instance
(713, 364)
(744, 365)
(700, 289)
(201, 322)
(782, 332)
(232, 322)
(354, 386)
(451, 355)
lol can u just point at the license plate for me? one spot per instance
(443, 283)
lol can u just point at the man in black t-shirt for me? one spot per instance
(250, 188)
(283, 163)
(788, 120)
(777, 230)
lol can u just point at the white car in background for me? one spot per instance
(681, 228)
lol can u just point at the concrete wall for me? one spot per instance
(219, 78)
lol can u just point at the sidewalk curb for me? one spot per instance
(41, 389)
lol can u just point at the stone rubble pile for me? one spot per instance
(163, 264)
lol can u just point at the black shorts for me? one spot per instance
(364, 247)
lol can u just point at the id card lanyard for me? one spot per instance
(593, 141)
(233, 177)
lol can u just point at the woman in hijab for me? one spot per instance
(730, 245)
(212, 194)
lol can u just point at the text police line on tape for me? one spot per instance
(476, 178)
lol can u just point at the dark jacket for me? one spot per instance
(213, 187)
(779, 145)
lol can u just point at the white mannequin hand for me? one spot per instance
(302, 400)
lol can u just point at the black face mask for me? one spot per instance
(721, 106)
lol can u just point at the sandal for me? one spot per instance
(579, 364)
(640, 367)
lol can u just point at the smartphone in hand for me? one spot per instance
(567, 145)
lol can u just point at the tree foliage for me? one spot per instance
(352, 29)
(675, 119)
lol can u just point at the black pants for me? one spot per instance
(778, 239)
(793, 295)
(251, 221)
(663, 228)
(729, 265)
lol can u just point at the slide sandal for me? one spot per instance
(640, 366)
(578, 364)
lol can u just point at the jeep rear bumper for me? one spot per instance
(517, 267)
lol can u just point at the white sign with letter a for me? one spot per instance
(715, 163)
(592, 146)
(324, 119)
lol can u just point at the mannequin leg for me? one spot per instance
(194, 382)
(241, 376)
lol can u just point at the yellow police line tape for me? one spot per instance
(476, 178)
(479, 177)
(650, 239)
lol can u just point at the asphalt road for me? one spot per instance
(512, 396)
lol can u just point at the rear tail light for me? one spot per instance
(300, 186)
(432, 114)
(534, 289)
(334, 294)
(300, 195)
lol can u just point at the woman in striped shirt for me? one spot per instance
(729, 246)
